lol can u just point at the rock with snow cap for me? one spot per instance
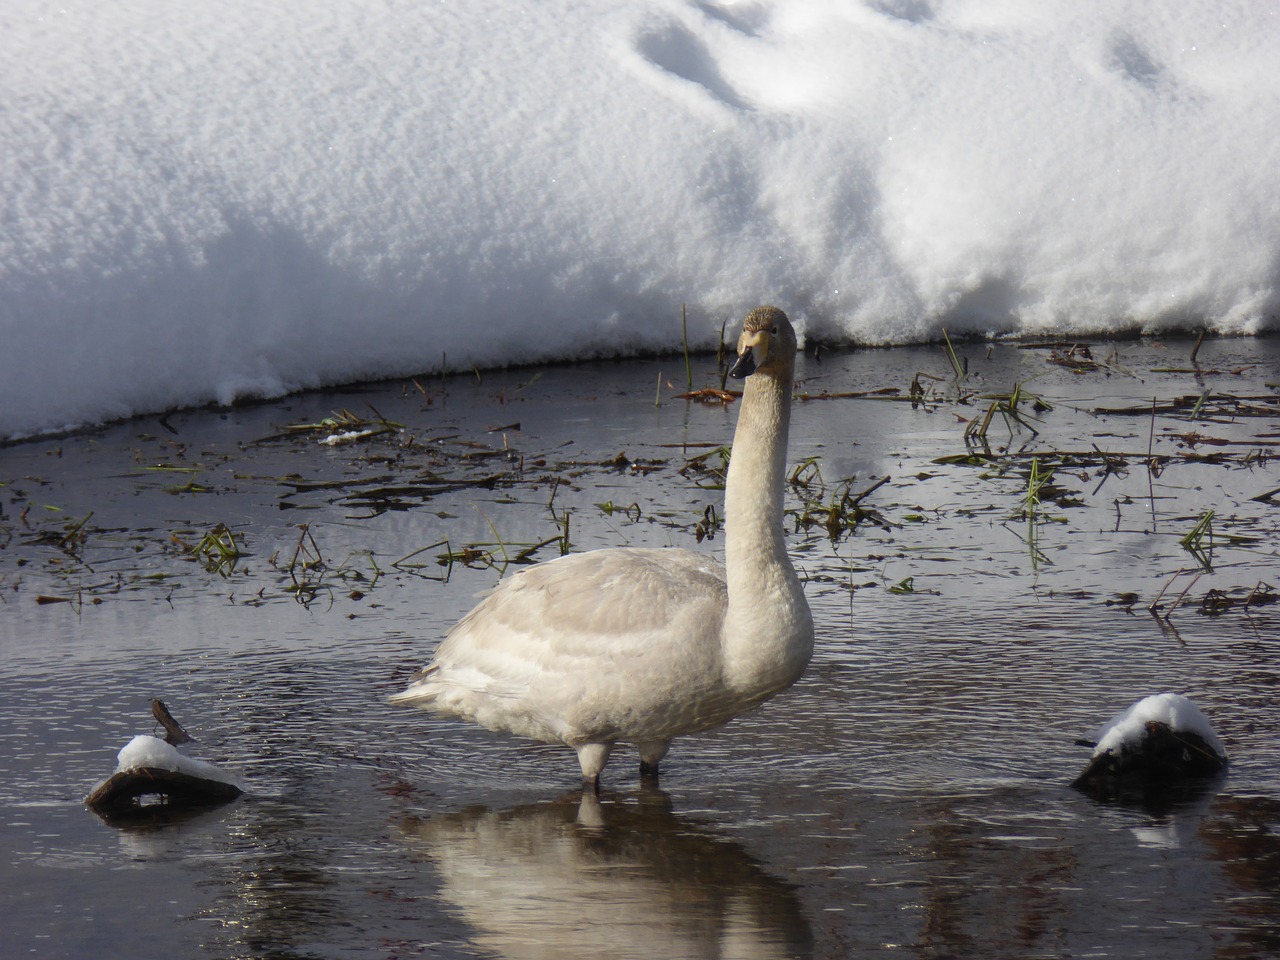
(1161, 740)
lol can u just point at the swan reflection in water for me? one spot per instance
(608, 878)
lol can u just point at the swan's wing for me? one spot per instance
(578, 626)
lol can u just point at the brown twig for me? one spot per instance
(173, 732)
(854, 501)
(1199, 340)
(1154, 609)
(1178, 602)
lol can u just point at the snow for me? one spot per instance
(347, 436)
(150, 752)
(204, 201)
(1127, 730)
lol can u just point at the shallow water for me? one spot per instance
(909, 797)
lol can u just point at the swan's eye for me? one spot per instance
(774, 329)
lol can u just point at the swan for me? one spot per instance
(643, 645)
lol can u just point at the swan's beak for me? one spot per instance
(753, 349)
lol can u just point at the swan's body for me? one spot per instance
(643, 645)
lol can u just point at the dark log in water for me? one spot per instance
(150, 768)
(123, 791)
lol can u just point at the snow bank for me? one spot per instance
(205, 200)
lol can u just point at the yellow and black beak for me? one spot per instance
(753, 350)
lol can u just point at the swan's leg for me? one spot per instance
(592, 757)
(651, 754)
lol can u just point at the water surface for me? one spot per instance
(909, 797)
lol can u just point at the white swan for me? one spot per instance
(643, 645)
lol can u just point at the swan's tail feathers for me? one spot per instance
(422, 690)
(414, 696)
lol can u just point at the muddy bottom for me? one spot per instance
(997, 564)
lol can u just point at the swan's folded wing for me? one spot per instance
(578, 616)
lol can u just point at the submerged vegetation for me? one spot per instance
(1199, 542)
(482, 498)
(217, 549)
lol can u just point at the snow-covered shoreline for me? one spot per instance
(217, 201)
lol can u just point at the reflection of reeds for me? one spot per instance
(684, 332)
(345, 426)
(631, 511)
(706, 528)
(1216, 602)
(1154, 609)
(805, 473)
(1010, 407)
(1211, 406)
(1194, 541)
(960, 369)
(921, 392)
(1036, 480)
(410, 563)
(71, 538)
(217, 549)
(712, 466)
(191, 486)
(838, 513)
(482, 553)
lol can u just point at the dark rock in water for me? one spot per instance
(1162, 755)
(1160, 743)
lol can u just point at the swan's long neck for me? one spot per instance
(768, 629)
(753, 488)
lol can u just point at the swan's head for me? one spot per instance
(767, 345)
